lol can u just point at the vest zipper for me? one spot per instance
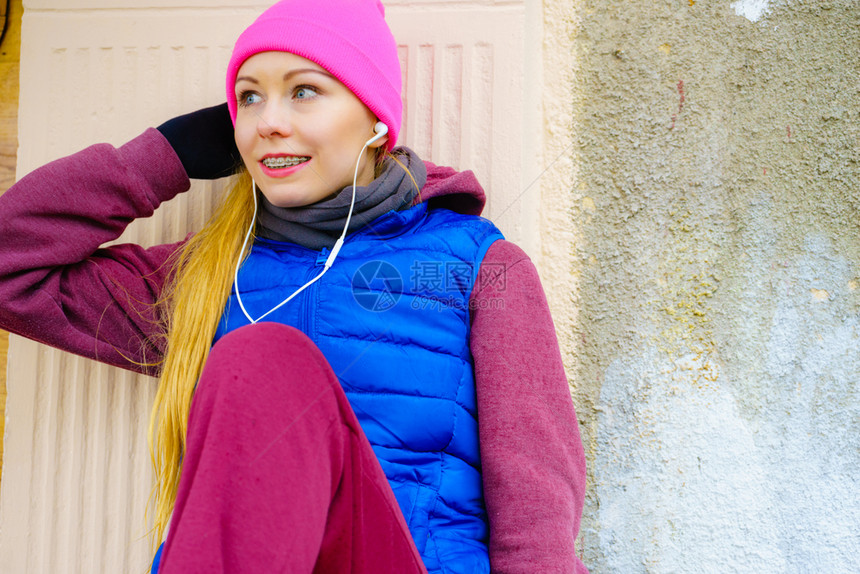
(308, 297)
(322, 256)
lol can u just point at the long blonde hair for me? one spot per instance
(192, 305)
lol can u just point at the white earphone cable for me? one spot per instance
(331, 257)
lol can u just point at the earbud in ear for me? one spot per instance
(380, 129)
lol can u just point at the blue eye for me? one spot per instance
(249, 99)
(305, 92)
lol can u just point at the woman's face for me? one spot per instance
(299, 129)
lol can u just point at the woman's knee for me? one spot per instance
(267, 359)
(259, 339)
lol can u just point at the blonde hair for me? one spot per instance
(192, 305)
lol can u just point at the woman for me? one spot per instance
(384, 392)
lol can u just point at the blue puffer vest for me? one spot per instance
(392, 318)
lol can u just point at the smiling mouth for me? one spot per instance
(284, 161)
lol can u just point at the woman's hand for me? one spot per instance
(204, 142)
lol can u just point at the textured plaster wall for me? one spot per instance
(715, 263)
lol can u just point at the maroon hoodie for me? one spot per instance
(57, 286)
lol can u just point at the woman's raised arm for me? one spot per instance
(56, 285)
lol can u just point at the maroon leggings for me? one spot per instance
(278, 476)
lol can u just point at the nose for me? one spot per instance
(274, 120)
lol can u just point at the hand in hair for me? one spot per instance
(204, 142)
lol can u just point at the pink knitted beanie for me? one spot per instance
(349, 38)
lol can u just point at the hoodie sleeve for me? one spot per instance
(531, 452)
(56, 285)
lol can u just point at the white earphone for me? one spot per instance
(380, 129)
